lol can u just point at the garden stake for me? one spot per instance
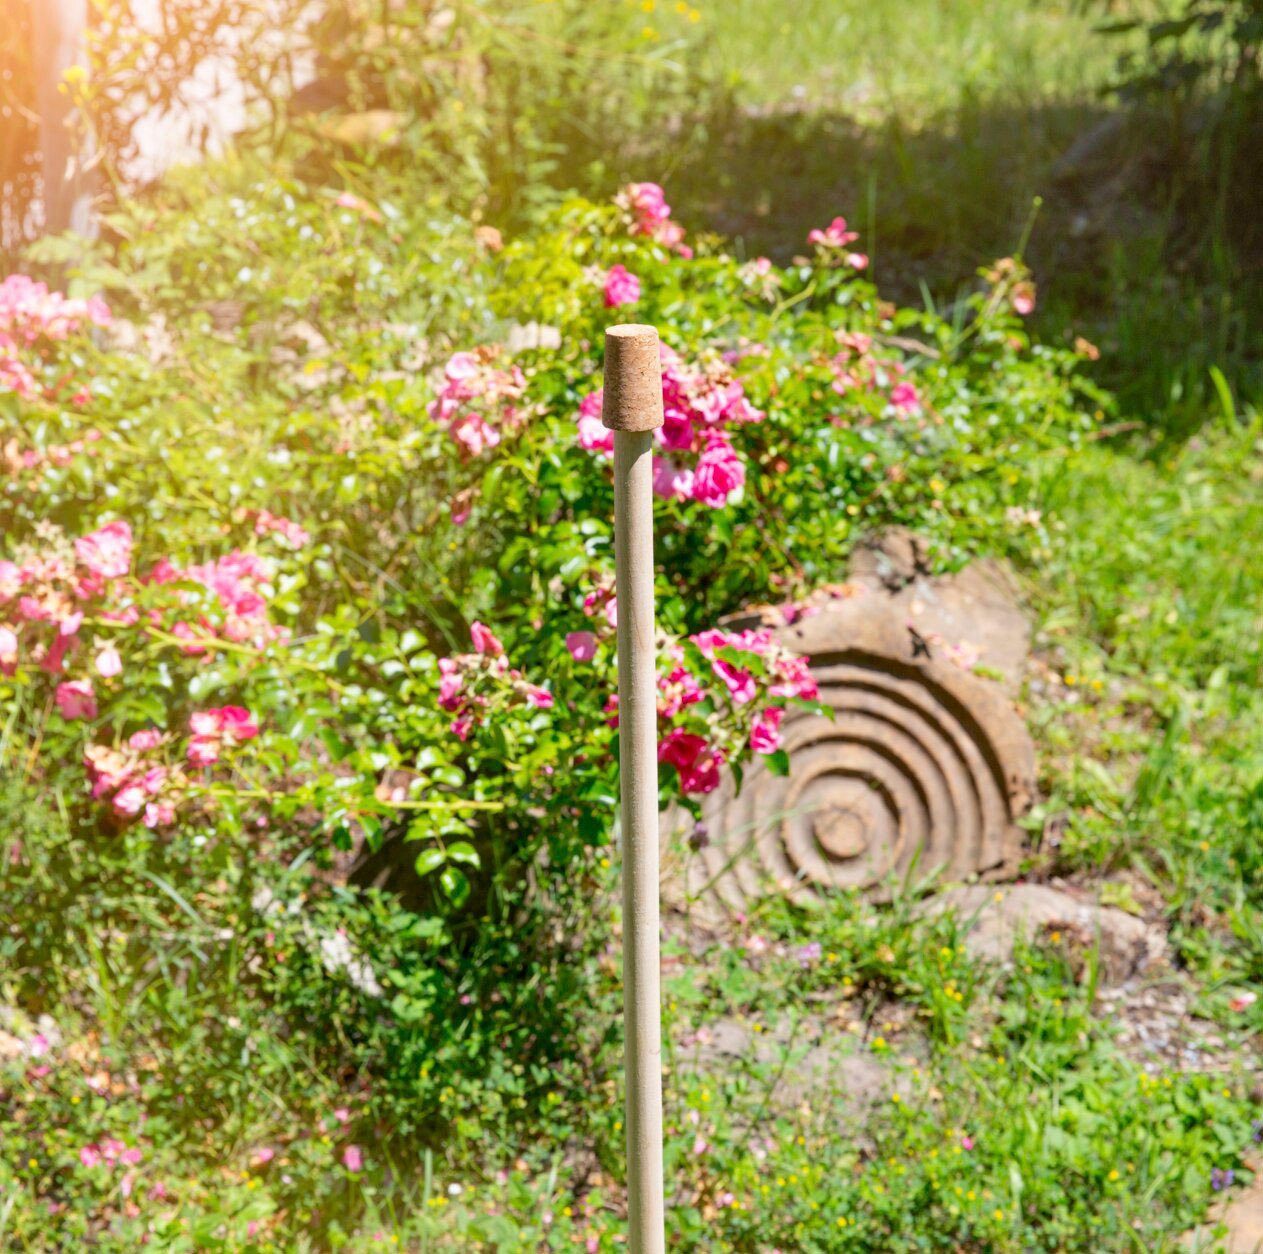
(633, 411)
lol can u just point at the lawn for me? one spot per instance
(310, 866)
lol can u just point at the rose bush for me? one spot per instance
(316, 558)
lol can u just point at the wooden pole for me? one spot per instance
(633, 411)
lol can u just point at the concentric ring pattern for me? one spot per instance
(922, 770)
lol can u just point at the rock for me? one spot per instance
(524, 335)
(996, 916)
(920, 768)
(974, 613)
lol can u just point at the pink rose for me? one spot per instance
(476, 434)
(697, 764)
(129, 801)
(905, 397)
(765, 735)
(541, 698)
(582, 645)
(159, 814)
(485, 640)
(594, 435)
(8, 651)
(621, 287)
(450, 683)
(204, 723)
(107, 551)
(720, 472)
(352, 1158)
(11, 580)
(203, 751)
(108, 662)
(835, 235)
(237, 724)
(75, 699)
(672, 482)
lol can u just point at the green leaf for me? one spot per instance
(430, 859)
(455, 884)
(463, 851)
(778, 762)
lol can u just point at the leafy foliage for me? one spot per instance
(322, 537)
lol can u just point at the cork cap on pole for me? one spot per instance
(633, 411)
(633, 378)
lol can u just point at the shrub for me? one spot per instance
(317, 557)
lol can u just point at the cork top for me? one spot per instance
(633, 379)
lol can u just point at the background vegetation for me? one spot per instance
(217, 1035)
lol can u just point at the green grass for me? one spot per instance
(880, 61)
(936, 129)
(932, 126)
(1147, 593)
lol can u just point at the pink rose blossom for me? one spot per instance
(451, 680)
(835, 235)
(720, 472)
(697, 764)
(672, 482)
(90, 1156)
(11, 580)
(485, 640)
(129, 801)
(582, 645)
(214, 730)
(352, 1158)
(266, 522)
(594, 435)
(621, 287)
(476, 434)
(905, 397)
(159, 814)
(1024, 298)
(75, 699)
(651, 216)
(107, 552)
(477, 399)
(765, 734)
(8, 651)
(108, 662)
(237, 724)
